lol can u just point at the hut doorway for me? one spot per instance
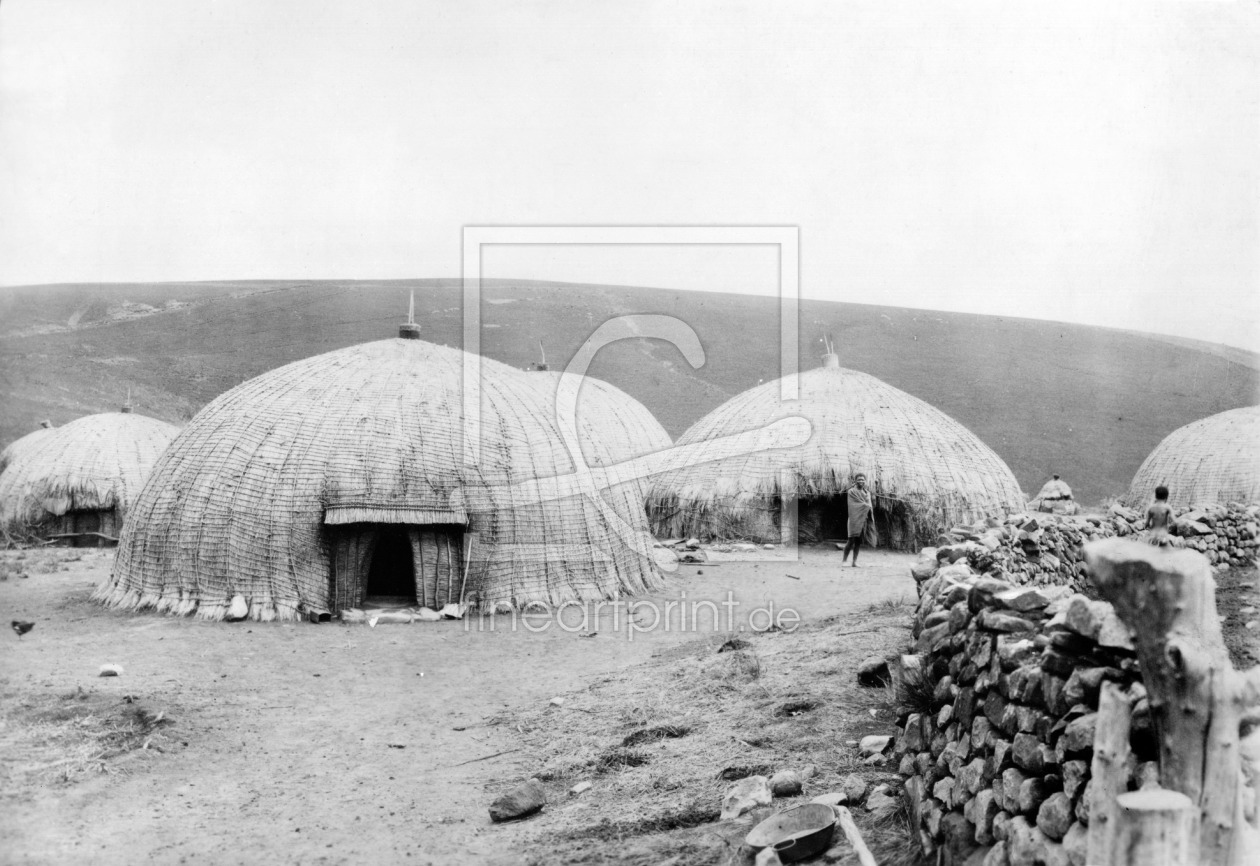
(822, 518)
(86, 528)
(391, 579)
(394, 563)
(826, 518)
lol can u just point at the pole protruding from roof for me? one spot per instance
(126, 407)
(831, 360)
(542, 365)
(409, 330)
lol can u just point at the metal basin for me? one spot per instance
(795, 833)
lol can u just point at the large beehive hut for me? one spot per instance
(611, 425)
(926, 470)
(77, 482)
(23, 444)
(342, 478)
(1214, 459)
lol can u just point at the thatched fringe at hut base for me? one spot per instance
(214, 610)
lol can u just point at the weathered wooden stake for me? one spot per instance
(845, 819)
(1154, 827)
(1109, 773)
(1198, 701)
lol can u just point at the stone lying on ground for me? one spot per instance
(520, 802)
(875, 744)
(744, 795)
(785, 783)
(883, 800)
(854, 789)
(873, 672)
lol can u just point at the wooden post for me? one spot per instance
(845, 819)
(1109, 773)
(1198, 701)
(450, 566)
(1154, 827)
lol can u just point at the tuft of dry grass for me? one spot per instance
(914, 693)
(888, 605)
(660, 732)
(61, 738)
(620, 758)
(734, 668)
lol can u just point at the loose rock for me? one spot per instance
(520, 802)
(744, 795)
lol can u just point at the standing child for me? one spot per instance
(1159, 520)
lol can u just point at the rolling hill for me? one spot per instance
(1088, 403)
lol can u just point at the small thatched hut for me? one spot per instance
(22, 444)
(1214, 459)
(341, 480)
(78, 481)
(926, 470)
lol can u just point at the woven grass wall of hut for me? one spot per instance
(1214, 459)
(22, 444)
(302, 487)
(925, 470)
(82, 477)
(612, 426)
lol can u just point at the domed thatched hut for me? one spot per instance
(22, 444)
(341, 478)
(926, 471)
(1214, 459)
(78, 481)
(612, 425)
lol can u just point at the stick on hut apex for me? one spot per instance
(409, 330)
(830, 359)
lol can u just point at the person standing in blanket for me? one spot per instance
(861, 517)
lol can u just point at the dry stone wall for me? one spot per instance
(1000, 699)
(1045, 549)
(1225, 534)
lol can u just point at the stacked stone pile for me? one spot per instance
(999, 703)
(1045, 549)
(1030, 550)
(1228, 535)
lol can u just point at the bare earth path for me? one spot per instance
(294, 743)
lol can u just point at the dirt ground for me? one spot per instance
(321, 744)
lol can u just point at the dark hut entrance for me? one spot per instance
(826, 518)
(394, 557)
(822, 518)
(85, 528)
(391, 580)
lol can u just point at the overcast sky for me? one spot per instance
(1096, 165)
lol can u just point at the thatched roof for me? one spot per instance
(239, 503)
(612, 425)
(98, 462)
(22, 444)
(1214, 459)
(916, 459)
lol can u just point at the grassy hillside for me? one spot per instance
(1088, 403)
